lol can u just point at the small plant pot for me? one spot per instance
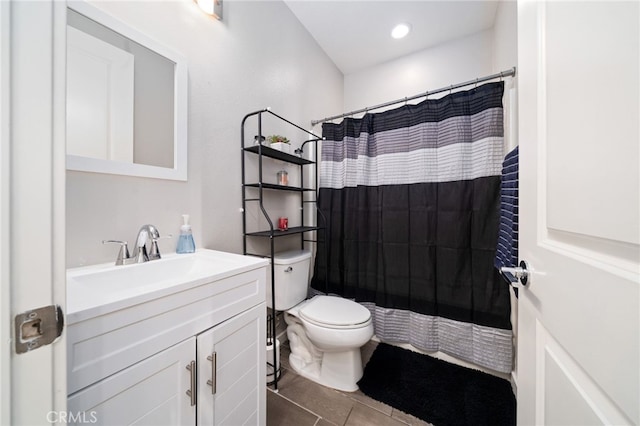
(281, 146)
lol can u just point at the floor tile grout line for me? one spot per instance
(352, 399)
(400, 420)
(295, 403)
(349, 397)
(348, 415)
(381, 412)
(370, 406)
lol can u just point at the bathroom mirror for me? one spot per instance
(126, 99)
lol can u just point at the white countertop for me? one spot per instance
(104, 288)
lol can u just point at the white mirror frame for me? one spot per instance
(179, 170)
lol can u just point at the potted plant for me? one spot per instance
(278, 142)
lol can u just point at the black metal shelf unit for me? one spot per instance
(278, 155)
(278, 187)
(263, 151)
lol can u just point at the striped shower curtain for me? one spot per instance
(410, 198)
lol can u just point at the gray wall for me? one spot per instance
(505, 36)
(439, 66)
(258, 56)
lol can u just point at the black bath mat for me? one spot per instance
(436, 391)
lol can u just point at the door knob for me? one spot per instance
(521, 272)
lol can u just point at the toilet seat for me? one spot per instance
(335, 313)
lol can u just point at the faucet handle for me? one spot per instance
(123, 254)
(155, 251)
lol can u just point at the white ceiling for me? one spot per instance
(356, 33)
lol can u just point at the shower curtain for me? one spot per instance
(410, 202)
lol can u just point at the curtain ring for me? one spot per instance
(450, 88)
(501, 73)
(406, 98)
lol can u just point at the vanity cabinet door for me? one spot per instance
(231, 371)
(151, 392)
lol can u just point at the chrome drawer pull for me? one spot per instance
(212, 382)
(191, 393)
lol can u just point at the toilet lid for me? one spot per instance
(334, 311)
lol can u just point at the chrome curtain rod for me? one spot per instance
(501, 74)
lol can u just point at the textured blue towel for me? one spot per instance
(507, 250)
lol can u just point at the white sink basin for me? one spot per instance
(99, 289)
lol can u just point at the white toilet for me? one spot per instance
(326, 332)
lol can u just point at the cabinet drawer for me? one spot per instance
(101, 346)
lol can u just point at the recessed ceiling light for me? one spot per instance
(400, 30)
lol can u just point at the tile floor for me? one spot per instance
(301, 402)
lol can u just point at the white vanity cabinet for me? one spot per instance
(191, 355)
(228, 381)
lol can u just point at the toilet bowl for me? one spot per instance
(325, 332)
(325, 335)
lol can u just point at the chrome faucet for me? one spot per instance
(148, 236)
(146, 246)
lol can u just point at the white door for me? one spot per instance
(5, 306)
(578, 348)
(32, 203)
(232, 371)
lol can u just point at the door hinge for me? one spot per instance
(38, 327)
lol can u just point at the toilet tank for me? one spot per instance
(291, 278)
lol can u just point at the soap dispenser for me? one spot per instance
(185, 241)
